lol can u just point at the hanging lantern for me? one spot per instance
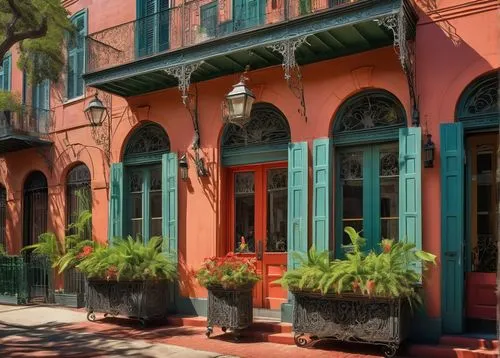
(183, 167)
(238, 103)
(95, 112)
(429, 152)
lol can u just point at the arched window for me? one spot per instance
(3, 216)
(35, 207)
(78, 196)
(265, 138)
(143, 181)
(366, 133)
(478, 106)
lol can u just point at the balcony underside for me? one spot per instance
(15, 142)
(330, 34)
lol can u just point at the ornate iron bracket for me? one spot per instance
(293, 76)
(401, 27)
(190, 100)
(102, 134)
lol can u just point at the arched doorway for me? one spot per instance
(366, 135)
(143, 186)
(35, 215)
(255, 157)
(78, 196)
(35, 207)
(469, 209)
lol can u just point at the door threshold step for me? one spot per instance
(442, 351)
(462, 341)
(263, 326)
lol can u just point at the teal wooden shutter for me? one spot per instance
(410, 186)
(452, 226)
(146, 26)
(76, 56)
(169, 201)
(5, 74)
(297, 200)
(115, 220)
(322, 193)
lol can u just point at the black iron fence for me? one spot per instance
(26, 278)
(26, 120)
(191, 23)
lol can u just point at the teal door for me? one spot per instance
(452, 226)
(41, 105)
(248, 13)
(152, 26)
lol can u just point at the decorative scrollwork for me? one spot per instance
(293, 76)
(481, 98)
(351, 165)
(267, 126)
(380, 321)
(390, 350)
(389, 164)
(230, 308)
(244, 183)
(79, 174)
(402, 28)
(277, 179)
(149, 138)
(183, 74)
(369, 110)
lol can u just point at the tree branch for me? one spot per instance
(20, 36)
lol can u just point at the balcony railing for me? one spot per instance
(192, 23)
(27, 120)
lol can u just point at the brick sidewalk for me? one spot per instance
(194, 338)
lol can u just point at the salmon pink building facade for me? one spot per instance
(348, 97)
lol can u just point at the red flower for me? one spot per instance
(355, 286)
(86, 251)
(111, 272)
(370, 286)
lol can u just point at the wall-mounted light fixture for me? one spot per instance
(184, 167)
(429, 152)
(95, 111)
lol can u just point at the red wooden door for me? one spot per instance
(258, 202)
(481, 297)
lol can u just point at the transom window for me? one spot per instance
(143, 181)
(366, 132)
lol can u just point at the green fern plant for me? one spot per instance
(129, 259)
(48, 245)
(390, 273)
(2, 251)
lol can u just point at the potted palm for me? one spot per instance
(363, 298)
(229, 281)
(128, 278)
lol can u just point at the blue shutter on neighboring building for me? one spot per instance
(115, 220)
(452, 226)
(297, 200)
(76, 56)
(322, 193)
(5, 73)
(169, 201)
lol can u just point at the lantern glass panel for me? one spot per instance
(236, 106)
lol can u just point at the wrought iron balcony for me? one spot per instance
(25, 128)
(226, 35)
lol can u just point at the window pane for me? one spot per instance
(351, 181)
(277, 207)
(389, 193)
(244, 196)
(136, 228)
(156, 227)
(155, 204)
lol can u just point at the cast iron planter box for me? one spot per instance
(350, 317)
(229, 309)
(142, 300)
(74, 300)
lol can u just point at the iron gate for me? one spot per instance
(39, 278)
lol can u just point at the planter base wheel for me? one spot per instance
(236, 335)
(390, 350)
(224, 329)
(209, 331)
(91, 316)
(300, 340)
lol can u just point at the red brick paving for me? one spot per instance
(194, 337)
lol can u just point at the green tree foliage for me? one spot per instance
(39, 27)
(48, 245)
(390, 273)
